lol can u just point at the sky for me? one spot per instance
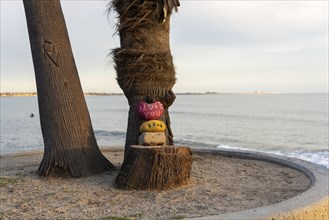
(218, 46)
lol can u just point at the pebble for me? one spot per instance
(152, 126)
(152, 138)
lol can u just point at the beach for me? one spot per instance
(218, 185)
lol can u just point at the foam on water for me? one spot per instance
(320, 157)
(317, 157)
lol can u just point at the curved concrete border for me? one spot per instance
(315, 199)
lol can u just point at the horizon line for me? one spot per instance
(4, 94)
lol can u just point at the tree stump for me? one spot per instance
(155, 167)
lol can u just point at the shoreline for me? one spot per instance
(218, 185)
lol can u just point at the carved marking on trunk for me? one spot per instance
(51, 51)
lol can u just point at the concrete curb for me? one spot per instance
(311, 204)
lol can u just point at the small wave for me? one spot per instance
(106, 133)
(222, 146)
(317, 157)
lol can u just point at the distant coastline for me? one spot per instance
(18, 94)
(98, 93)
(35, 94)
(13, 94)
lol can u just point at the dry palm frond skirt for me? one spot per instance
(136, 13)
(138, 72)
(142, 69)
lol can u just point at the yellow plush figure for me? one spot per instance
(152, 126)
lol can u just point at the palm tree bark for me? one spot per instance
(144, 64)
(70, 146)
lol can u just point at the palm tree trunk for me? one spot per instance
(69, 141)
(144, 64)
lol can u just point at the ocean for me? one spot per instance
(294, 125)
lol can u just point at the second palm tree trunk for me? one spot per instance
(144, 64)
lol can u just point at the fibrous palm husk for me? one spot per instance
(144, 60)
(136, 13)
(137, 69)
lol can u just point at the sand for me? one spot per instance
(218, 185)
